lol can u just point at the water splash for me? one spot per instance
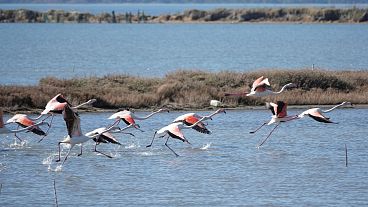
(18, 145)
(206, 146)
(48, 160)
(58, 168)
(132, 146)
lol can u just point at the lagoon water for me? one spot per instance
(32, 51)
(302, 164)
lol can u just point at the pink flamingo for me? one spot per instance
(56, 106)
(105, 136)
(191, 118)
(129, 117)
(5, 130)
(261, 87)
(317, 113)
(24, 121)
(75, 135)
(279, 111)
(173, 130)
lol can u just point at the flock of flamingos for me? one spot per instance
(59, 105)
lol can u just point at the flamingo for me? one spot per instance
(5, 130)
(317, 113)
(191, 118)
(261, 87)
(75, 135)
(279, 111)
(56, 106)
(173, 130)
(24, 121)
(105, 136)
(129, 117)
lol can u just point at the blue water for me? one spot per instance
(32, 51)
(157, 9)
(302, 164)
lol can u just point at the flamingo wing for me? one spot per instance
(128, 119)
(316, 115)
(175, 132)
(281, 109)
(257, 82)
(200, 127)
(56, 105)
(23, 121)
(104, 137)
(1, 119)
(72, 121)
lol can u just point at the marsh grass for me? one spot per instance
(194, 89)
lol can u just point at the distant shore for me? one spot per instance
(191, 90)
(222, 15)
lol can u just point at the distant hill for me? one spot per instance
(193, 1)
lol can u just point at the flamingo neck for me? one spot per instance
(333, 108)
(148, 116)
(282, 89)
(82, 104)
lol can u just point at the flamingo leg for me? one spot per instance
(254, 131)
(152, 140)
(66, 157)
(59, 152)
(47, 131)
(81, 150)
(114, 124)
(15, 134)
(268, 135)
(101, 152)
(170, 147)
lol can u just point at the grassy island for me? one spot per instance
(191, 89)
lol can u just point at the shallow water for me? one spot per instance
(302, 164)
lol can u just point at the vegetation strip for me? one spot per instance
(222, 15)
(183, 90)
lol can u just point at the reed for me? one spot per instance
(191, 89)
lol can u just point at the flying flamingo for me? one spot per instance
(261, 87)
(5, 130)
(105, 136)
(191, 118)
(317, 113)
(75, 135)
(173, 130)
(279, 111)
(56, 106)
(129, 117)
(24, 121)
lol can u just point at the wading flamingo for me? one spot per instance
(279, 111)
(104, 136)
(5, 130)
(173, 130)
(317, 113)
(261, 87)
(191, 118)
(129, 117)
(75, 135)
(24, 121)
